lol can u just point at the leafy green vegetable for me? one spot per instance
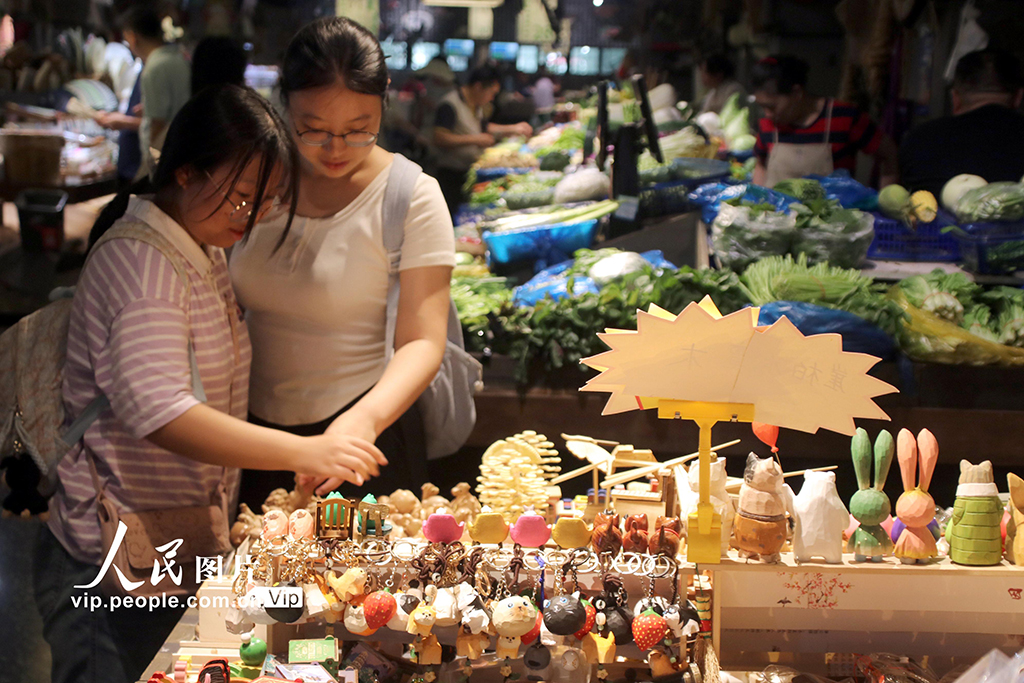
(781, 278)
(802, 189)
(978, 321)
(946, 295)
(825, 231)
(993, 202)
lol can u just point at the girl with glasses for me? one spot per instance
(144, 320)
(315, 293)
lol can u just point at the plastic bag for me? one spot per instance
(710, 197)
(859, 336)
(741, 236)
(927, 337)
(848, 192)
(843, 244)
(992, 202)
(581, 186)
(553, 282)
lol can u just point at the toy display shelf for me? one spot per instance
(792, 614)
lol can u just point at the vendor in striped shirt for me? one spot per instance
(802, 134)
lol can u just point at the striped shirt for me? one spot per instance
(128, 338)
(851, 131)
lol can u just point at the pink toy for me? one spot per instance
(915, 506)
(530, 531)
(442, 528)
(275, 525)
(300, 524)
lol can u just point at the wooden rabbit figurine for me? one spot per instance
(761, 524)
(1015, 527)
(915, 507)
(821, 519)
(974, 530)
(869, 505)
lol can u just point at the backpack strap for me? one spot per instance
(397, 197)
(132, 228)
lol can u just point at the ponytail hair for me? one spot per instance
(225, 124)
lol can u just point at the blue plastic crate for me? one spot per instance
(992, 248)
(488, 174)
(895, 241)
(545, 244)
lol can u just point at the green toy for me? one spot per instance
(869, 505)
(253, 650)
(974, 530)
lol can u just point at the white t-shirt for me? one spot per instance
(316, 308)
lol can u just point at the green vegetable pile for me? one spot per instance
(781, 278)
(947, 295)
(801, 189)
(825, 231)
(993, 202)
(570, 140)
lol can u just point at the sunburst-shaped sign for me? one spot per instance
(803, 383)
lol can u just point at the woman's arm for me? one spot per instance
(421, 334)
(207, 435)
(760, 172)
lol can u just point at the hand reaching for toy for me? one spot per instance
(353, 437)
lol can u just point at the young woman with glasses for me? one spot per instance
(315, 293)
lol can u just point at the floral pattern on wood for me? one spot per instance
(815, 590)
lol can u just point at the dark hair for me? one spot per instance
(217, 60)
(227, 124)
(719, 65)
(333, 48)
(144, 21)
(781, 72)
(987, 71)
(484, 75)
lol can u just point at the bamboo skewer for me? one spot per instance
(623, 477)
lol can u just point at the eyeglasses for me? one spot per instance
(322, 138)
(241, 211)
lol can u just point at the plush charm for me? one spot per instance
(489, 527)
(300, 524)
(471, 645)
(607, 538)
(570, 533)
(530, 531)
(405, 605)
(869, 505)
(666, 537)
(379, 608)
(565, 615)
(588, 624)
(635, 540)
(446, 606)
(349, 585)
(915, 507)
(428, 651)
(442, 528)
(275, 525)
(506, 647)
(599, 649)
(973, 531)
(1015, 527)
(689, 496)
(761, 524)
(355, 620)
(649, 629)
(821, 519)
(534, 633)
(421, 620)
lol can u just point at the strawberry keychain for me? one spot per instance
(649, 629)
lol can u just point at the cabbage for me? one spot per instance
(581, 186)
(956, 187)
(711, 123)
(743, 143)
(730, 109)
(738, 125)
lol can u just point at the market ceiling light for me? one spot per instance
(598, 3)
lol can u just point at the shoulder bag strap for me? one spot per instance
(397, 197)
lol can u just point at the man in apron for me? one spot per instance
(801, 134)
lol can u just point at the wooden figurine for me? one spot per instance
(720, 498)
(571, 532)
(869, 505)
(441, 527)
(761, 525)
(421, 620)
(464, 504)
(606, 538)
(666, 537)
(428, 652)
(530, 530)
(599, 649)
(489, 527)
(973, 532)
(915, 506)
(471, 645)
(635, 539)
(1015, 527)
(821, 519)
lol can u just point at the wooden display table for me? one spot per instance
(951, 613)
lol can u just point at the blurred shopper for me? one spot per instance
(218, 60)
(718, 76)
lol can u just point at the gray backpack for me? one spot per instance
(447, 406)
